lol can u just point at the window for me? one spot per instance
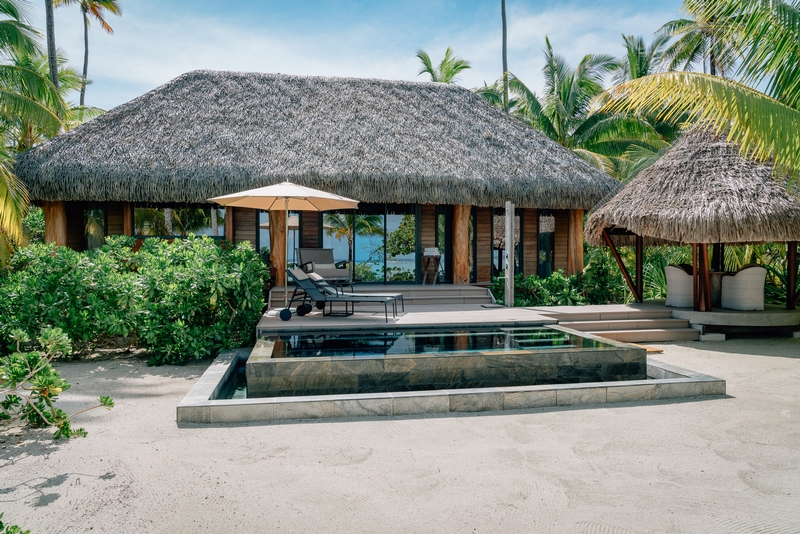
(178, 221)
(547, 243)
(293, 237)
(94, 228)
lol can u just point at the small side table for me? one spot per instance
(430, 265)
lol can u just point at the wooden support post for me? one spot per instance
(127, 219)
(640, 268)
(621, 265)
(706, 277)
(792, 295)
(277, 245)
(229, 224)
(575, 242)
(461, 244)
(696, 289)
(55, 223)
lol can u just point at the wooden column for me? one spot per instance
(575, 242)
(530, 241)
(695, 286)
(127, 222)
(55, 223)
(461, 244)
(229, 233)
(706, 278)
(621, 265)
(718, 257)
(791, 275)
(640, 268)
(277, 245)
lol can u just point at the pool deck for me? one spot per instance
(467, 315)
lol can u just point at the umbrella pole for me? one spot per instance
(286, 257)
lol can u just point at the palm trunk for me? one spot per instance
(214, 223)
(52, 60)
(505, 56)
(85, 54)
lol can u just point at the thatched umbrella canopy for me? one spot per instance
(207, 134)
(701, 191)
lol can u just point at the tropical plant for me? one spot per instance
(703, 38)
(403, 240)
(93, 9)
(29, 386)
(640, 59)
(447, 71)
(505, 54)
(51, 42)
(563, 111)
(764, 125)
(11, 529)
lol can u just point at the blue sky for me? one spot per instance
(157, 40)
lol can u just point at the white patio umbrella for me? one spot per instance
(286, 197)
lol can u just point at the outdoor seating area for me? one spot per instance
(742, 290)
(310, 292)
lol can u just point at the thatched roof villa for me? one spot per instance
(436, 153)
(701, 192)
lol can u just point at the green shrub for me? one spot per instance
(181, 300)
(29, 386)
(555, 290)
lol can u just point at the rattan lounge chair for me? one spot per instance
(680, 293)
(745, 289)
(320, 261)
(308, 291)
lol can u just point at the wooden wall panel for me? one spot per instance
(245, 225)
(55, 223)
(530, 240)
(115, 218)
(483, 229)
(561, 238)
(427, 226)
(76, 225)
(310, 229)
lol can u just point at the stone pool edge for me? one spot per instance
(666, 382)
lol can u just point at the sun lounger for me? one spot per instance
(308, 291)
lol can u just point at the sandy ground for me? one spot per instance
(724, 465)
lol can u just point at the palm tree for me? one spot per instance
(765, 125)
(640, 59)
(505, 55)
(447, 71)
(51, 41)
(703, 38)
(93, 8)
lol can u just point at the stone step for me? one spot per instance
(656, 334)
(579, 315)
(627, 324)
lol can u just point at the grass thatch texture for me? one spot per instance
(701, 191)
(207, 134)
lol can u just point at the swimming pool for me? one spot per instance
(362, 361)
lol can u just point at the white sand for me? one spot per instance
(723, 465)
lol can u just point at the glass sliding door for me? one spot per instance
(547, 243)
(369, 247)
(293, 237)
(401, 243)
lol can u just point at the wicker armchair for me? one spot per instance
(680, 293)
(745, 289)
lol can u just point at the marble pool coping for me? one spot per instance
(201, 405)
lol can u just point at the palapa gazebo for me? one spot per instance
(701, 193)
(435, 151)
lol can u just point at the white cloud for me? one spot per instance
(148, 51)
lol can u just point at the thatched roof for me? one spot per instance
(700, 191)
(207, 134)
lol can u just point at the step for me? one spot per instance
(627, 324)
(656, 334)
(586, 316)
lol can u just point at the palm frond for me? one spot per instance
(764, 128)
